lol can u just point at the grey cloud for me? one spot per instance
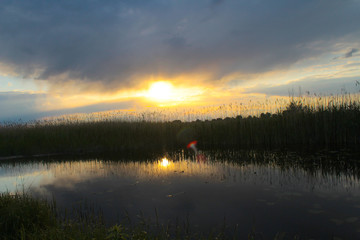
(99, 107)
(352, 65)
(25, 107)
(216, 3)
(177, 42)
(16, 105)
(351, 52)
(116, 41)
(312, 85)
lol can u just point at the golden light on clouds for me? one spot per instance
(153, 94)
(149, 91)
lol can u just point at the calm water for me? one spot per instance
(272, 195)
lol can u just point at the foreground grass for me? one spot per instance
(23, 217)
(299, 126)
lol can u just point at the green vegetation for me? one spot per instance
(299, 127)
(23, 217)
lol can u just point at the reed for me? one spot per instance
(303, 124)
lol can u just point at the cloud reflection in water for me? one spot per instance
(267, 195)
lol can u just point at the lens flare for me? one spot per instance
(192, 145)
(199, 156)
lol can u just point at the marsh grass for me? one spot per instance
(24, 217)
(303, 124)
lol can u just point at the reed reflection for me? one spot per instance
(178, 186)
(167, 168)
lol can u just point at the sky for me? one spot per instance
(59, 57)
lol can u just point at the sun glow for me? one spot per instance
(161, 91)
(164, 162)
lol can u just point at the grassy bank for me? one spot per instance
(23, 217)
(298, 127)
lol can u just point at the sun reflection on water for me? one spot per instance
(164, 162)
(69, 175)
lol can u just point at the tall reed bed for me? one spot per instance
(299, 126)
(244, 108)
(304, 123)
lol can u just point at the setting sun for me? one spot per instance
(161, 91)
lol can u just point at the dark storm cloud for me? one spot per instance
(116, 41)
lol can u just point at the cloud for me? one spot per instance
(98, 107)
(312, 85)
(15, 105)
(351, 52)
(217, 2)
(32, 106)
(118, 43)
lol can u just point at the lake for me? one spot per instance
(266, 193)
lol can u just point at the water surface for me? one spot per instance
(244, 195)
